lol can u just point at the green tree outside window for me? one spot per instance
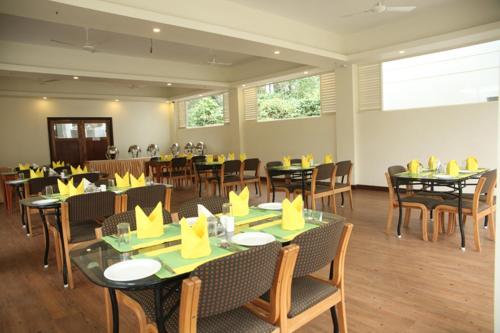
(205, 111)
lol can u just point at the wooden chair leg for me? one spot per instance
(109, 315)
(407, 217)
(57, 249)
(424, 225)
(30, 227)
(350, 198)
(322, 203)
(334, 204)
(313, 202)
(388, 224)
(260, 188)
(438, 221)
(477, 240)
(68, 269)
(491, 225)
(441, 225)
(341, 314)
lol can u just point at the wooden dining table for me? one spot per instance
(93, 260)
(304, 174)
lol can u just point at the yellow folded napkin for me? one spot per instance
(137, 182)
(122, 181)
(433, 163)
(221, 158)
(243, 156)
(189, 156)
(181, 155)
(167, 157)
(149, 226)
(452, 168)
(230, 156)
(57, 164)
(306, 163)
(23, 167)
(239, 203)
(471, 163)
(293, 218)
(72, 190)
(78, 170)
(413, 166)
(310, 157)
(194, 239)
(286, 161)
(64, 188)
(328, 158)
(36, 174)
(209, 158)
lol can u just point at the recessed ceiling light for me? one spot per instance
(402, 52)
(44, 97)
(117, 100)
(169, 84)
(277, 52)
(200, 95)
(306, 72)
(75, 77)
(157, 30)
(243, 85)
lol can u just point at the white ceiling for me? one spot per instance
(26, 30)
(327, 14)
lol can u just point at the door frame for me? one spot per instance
(69, 119)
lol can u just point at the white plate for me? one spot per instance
(467, 171)
(130, 270)
(253, 238)
(44, 202)
(445, 177)
(270, 206)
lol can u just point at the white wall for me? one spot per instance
(24, 134)
(396, 137)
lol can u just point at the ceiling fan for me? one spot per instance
(87, 46)
(379, 7)
(214, 61)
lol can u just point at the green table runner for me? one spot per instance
(255, 215)
(274, 228)
(171, 233)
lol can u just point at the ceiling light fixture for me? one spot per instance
(44, 97)
(200, 95)
(169, 84)
(243, 85)
(306, 72)
(156, 30)
(75, 77)
(402, 52)
(117, 100)
(277, 52)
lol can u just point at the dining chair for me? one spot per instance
(158, 170)
(321, 186)
(309, 295)
(424, 204)
(35, 187)
(80, 216)
(344, 172)
(230, 177)
(177, 172)
(64, 169)
(92, 177)
(201, 173)
(476, 208)
(251, 174)
(281, 183)
(216, 296)
(146, 196)
(190, 208)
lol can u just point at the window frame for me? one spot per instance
(183, 121)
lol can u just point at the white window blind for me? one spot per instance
(226, 107)
(180, 110)
(328, 93)
(369, 85)
(250, 96)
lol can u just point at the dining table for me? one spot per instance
(93, 260)
(7, 175)
(17, 186)
(294, 171)
(430, 181)
(204, 166)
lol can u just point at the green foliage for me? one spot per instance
(205, 111)
(289, 99)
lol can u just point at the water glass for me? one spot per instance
(111, 183)
(308, 215)
(212, 226)
(149, 180)
(123, 233)
(21, 175)
(49, 190)
(226, 209)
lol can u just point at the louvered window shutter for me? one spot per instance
(250, 96)
(225, 98)
(180, 109)
(370, 89)
(328, 93)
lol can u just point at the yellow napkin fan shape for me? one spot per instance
(433, 163)
(78, 170)
(239, 203)
(194, 239)
(286, 161)
(137, 182)
(328, 158)
(306, 162)
(413, 166)
(221, 158)
(149, 226)
(36, 174)
(23, 167)
(230, 156)
(471, 163)
(243, 157)
(452, 168)
(209, 158)
(293, 218)
(122, 181)
(57, 164)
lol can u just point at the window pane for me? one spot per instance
(95, 130)
(465, 75)
(289, 99)
(205, 111)
(66, 131)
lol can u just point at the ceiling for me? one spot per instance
(27, 30)
(327, 14)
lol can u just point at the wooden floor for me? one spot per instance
(392, 285)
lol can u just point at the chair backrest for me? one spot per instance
(273, 164)
(296, 161)
(344, 168)
(179, 162)
(91, 206)
(395, 169)
(37, 185)
(145, 196)
(231, 167)
(325, 172)
(199, 159)
(490, 181)
(251, 164)
(91, 177)
(213, 204)
(66, 169)
(390, 186)
(318, 248)
(109, 224)
(230, 282)
(26, 173)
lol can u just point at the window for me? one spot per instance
(95, 130)
(459, 76)
(204, 111)
(66, 131)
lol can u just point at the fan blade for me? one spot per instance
(357, 13)
(63, 43)
(399, 9)
(49, 81)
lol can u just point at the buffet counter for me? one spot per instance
(135, 166)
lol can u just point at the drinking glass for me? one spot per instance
(49, 190)
(212, 226)
(111, 183)
(226, 209)
(308, 215)
(123, 233)
(21, 175)
(149, 180)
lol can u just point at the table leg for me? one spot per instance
(47, 239)
(114, 310)
(159, 310)
(485, 222)
(460, 220)
(22, 209)
(399, 206)
(59, 228)
(303, 184)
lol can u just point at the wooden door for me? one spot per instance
(76, 140)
